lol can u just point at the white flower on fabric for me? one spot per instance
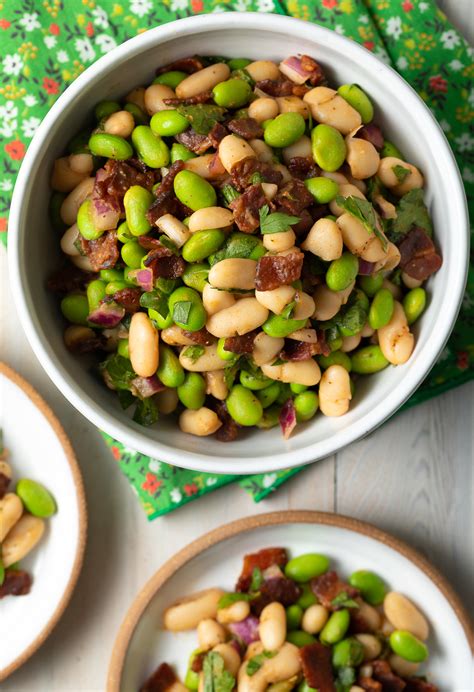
(30, 125)
(402, 63)
(154, 465)
(455, 65)
(100, 18)
(30, 100)
(9, 111)
(218, 9)
(211, 481)
(12, 64)
(269, 479)
(30, 21)
(241, 5)
(6, 185)
(8, 128)
(176, 496)
(450, 39)
(339, 29)
(445, 353)
(465, 142)
(364, 18)
(382, 55)
(50, 41)
(468, 175)
(62, 56)
(445, 126)
(105, 42)
(178, 5)
(85, 49)
(142, 7)
(394, 27)
(265, 5)
(423, 6)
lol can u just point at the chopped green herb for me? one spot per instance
(156, 301)
(243, 74)
(256, 178)
(146, 412)
(276, 222)
(238, 244)
(257, 662)
(401, 172)
(229, 193)
(125, 398)
(2, 571)
(168, 243)
(229, 598)
(230, 373)
(257, 579)
(181, 311)
(346, 677)
(363, 211)
(216, 677)
(194, 352)
(411, 211)
(118, 371)
(288, 310)
(202, 116)
(343, 600)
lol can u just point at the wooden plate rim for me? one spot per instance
(226, 531)
(58, 429)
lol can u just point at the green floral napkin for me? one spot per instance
(46, 45)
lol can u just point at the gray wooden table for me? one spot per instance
(413, 478)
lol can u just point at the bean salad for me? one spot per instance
(295, 624)
(242, 244)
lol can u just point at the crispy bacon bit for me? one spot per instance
(113, 180)
(69, 278)
(243, 171)
(247, 128)
(194, 141)
(17, 583)
(303, 167)
(383, 673)
(246, 208)
(165, 202)
(328, 586)
(217, 134)
(278, 270)
(198, 662)
(283, 87)
(170, 267)
(310, 65)
(240, 344)
(280, 589)
(419, 685)
(262, 560)
(129, 298)
(229, 429)
(304, 224)
(293, 197)
(190, 64)
(419, 258)
(202, 336)
(299, 350)
(103, 253)
(154, 245)
(317, 669)
(369, 684)
(4, 483)
(191, 100)
(373, 134)
(325, 350)
(161, 680)
(216, 169)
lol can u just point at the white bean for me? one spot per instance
(215, 300)
(302, 147)
(21, 539)
(233, 149)
(210, 633)
(327, 302)
(82, 262)
(233, 273)
(278, 242)
(266, 348)
(269, 190)
(272, 627)
(187, 613)
(143, 345)
(174, 229)
(154, 98)
(349, 343)
(324, 240)
(284, 171)
(283, 666)
(391, 259)
(120, 123)
(369, 615)
(388, 177)
(247, 314)
(410, 282)
(314, 618)
(64, 178)
(358, 239)
(263, 69)
(206, 362)
(395, 339)
(210, 217)
(202, 80)
(200, 422)
(401, 666)
(175, 336)
(335, 391)
(236, 612)
(68, 241)
(404, 615)
(81, 163)
(216, 385)
(345, 190)
(304, 372)
(292, 104)
(309, 336)
(277, 299)
(262, 150)
(208, 166)
(11, 509)
(362, 157)
(395, 290)
(331, 109)
(304, 307)
(337, 176)
(372, 646)
(230, 656)
(262, 109)
(137, 96)
(75, 198)
(167, 401)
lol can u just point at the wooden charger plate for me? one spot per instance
(215, 560)
(40, 449)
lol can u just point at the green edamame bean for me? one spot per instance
(243, 406)
(233, 93)
(408, 647)
(2, 571)
(285, 393)
(114, 286)
(106, 108)
(304, 687)
(254, 381)
(335, 343)
(191, 680)
(278, 326)
(162, 322)
(138, 115)
(166, 286)
(202, 244)
(37, 499)
(284, 130)
(414, 304)
(168, 123)
(370, 585)
(300, 638)
(294, 615)
(371, 284)
(323, 190)
(132, 254)
(358, 99)
(306, 404)
(192, 392)
(171, 78)
(123, 232)
(85, 222)
(368, 359)
(298, 388)
(238, 63)
(150, 147)
(181, 153)
(137, 201)
(347, 653)
(335, 358)
(110, 146)
(342, 272)
(75, 308)
(269, 395)
(336, 627)
(307, 597)
(79, 144)
(186, 306)
(193, 191)
(123, 348)
(55, 203)
(306, 567)
(270, 418)
(222, 353)
(170, 371)
(195, 276)
(381, 309)
(111, 275)
(389, 149)
(328, 146)
(95, 293)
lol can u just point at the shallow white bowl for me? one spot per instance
(216, 559)
(34, 248)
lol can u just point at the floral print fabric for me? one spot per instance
(46, 45)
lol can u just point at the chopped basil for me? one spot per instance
(229, 193)
(363, 211)
(118, 371)
(276, 222)
(411, 211)
(181, 311)
(257, 662)
(257, 579)
(400, 172)
(125, 398)
(343, 600)
(146, 412)
(288, 310)
(216, 677)
(194, 352)
(156, 301)
(202, 116)
(229, 599)
(243, 74)
(238, 244)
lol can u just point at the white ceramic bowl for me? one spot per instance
(34, 248)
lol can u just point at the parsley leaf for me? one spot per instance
(288, 310)
(118, 371)
(243, 74)
(401, 172)
(168, 243)
(146, 412)
(194, 352)
(229, 193)
(229, 598)
(230, 372)
(411, 211)
(181, 311)
(257, 662)
(257, 579)
(363, 211)
(156, 301)
(238, 244)
(343, 600)
(216, 677)
(276, 222)
(125, 398)
(202, 116)
(256, 177)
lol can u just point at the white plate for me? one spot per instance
(39, 449)
(216, 560)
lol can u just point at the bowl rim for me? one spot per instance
(106, 419)
(38, 401)
(234, 528)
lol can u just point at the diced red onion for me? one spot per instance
(373, 134)
(287, 418)
(291, 68)
(107, 315)
(246, 630)
(365, 268)
(142, 277)
(147, 386)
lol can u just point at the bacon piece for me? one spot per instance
(229, 429)
(383, 673)
(328, 586)
(129, 298)
(243, 171)
(161, 680)
(246, 208)
(373, 134)
(304, 224)
(419, 258)
(198, 662)
(283, 87)
(202, 336)
(419, 685)
(303, 167)
(278, 270)
(262, 560)
(369, 684)
(191, 100)
(165, 202)
(240, 344)
(194, 141)
(280, 589)
(113, 180)
(190, 64)
(166, 267)
(17, 582)
(310, 65)
(154, 245)
(317, 669)
(293, 197)
(89, 344)
(217, 134)
(4, 483)
(299, 350)
(247, 128)
(69, 278)
(103, 253)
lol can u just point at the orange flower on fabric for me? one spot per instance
(4, 24)
(151, 483)
(197, 5)
(191, 489)
(407, 6)
(50, 86)
(3, 225)
(438, 83)
(330, 4)
(90, 29)
(115, 453)
(370, 45)
(15, 150)
(54, 29)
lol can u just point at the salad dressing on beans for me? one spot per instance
(242, 245)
